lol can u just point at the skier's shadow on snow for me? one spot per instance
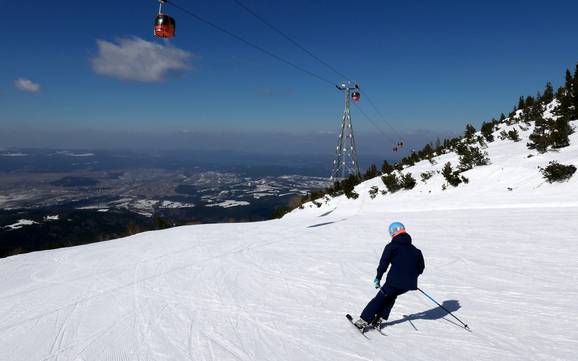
(325, 223)
(320, 224)
(431, 314)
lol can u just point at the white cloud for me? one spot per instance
(26, 85)
(139, 60)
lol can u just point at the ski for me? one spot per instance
(362, 331)
(379, 328)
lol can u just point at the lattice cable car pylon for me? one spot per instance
(345, 162)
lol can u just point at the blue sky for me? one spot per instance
(429, 66)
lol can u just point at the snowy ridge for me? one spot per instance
(511, 180)
(504, 261)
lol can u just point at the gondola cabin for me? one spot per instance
(355, 96)
(164, 26)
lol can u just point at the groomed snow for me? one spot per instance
(504, 261)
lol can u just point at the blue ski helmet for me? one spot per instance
(396, 227)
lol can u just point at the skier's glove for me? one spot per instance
(376, 282)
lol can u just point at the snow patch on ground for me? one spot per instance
(18, 154)
(21, 223)
(171, 204)
(72, 154)
(229, 204)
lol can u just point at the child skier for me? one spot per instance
(407, 264)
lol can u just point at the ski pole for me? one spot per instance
(445, 309)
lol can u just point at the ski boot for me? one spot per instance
(361, 324)
(378, 323)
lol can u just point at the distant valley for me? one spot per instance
(50, 199)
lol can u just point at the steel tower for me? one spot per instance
(346, 151)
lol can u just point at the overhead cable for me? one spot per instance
(251, 44)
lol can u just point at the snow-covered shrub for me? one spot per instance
(556, 172)
(373, 192)
(426, 175)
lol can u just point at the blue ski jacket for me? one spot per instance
(406, 262)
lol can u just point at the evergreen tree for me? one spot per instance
(575, 93)
(560, 130)
(566, 98)
(471, 157)
(426, 152)
(470, 131)
(487, 130)
(521, 104)
(556, 172)
(407, 181)
(386, 168)
(548, 93)
(559, 93)
(450, 175)
(502, 117)
(348, 185)
(391, 182)
(540, 137)
(371, 172)
(514, 135)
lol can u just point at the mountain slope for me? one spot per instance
(504, 261)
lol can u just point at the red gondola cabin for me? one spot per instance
(355, 96)
(164, 26)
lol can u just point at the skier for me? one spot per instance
(407, 264)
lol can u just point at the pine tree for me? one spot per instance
(426, 152)
(548, 93)
(371, 172)
(561, 129)
(540, 137)
(391, 182)
(521, 104)
(470, 131)
(386, 168)
(575, 92)
(407, 181)
(487, 130)
(566, 98)
(514, 135)
(450, 175)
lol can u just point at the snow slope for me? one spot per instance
(504, 261)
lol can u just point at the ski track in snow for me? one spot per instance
(279, 290)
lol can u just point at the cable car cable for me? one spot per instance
(290, 39)
(372, 122)
(247, 42)
(326, 64)
(379, 112)
(279, 58)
